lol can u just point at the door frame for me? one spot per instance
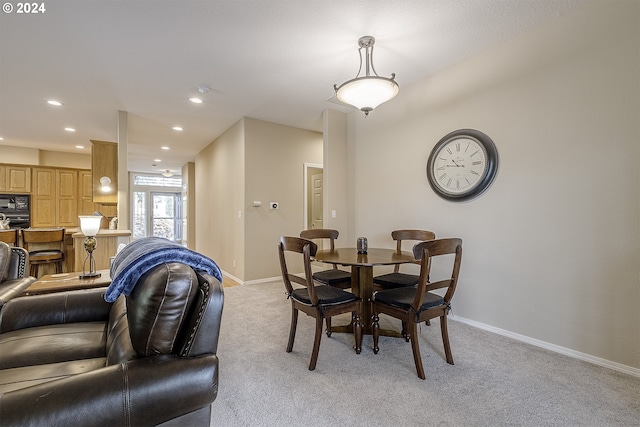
(305, 192)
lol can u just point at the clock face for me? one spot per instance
(462, 165)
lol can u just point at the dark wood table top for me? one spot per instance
(67, 282)
(374, 256)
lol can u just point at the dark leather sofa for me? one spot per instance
(14, 264)
(72, 359)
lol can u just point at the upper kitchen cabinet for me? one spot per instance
(15, 179)
(104, 163)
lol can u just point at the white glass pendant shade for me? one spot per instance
(366, 93)
(90, 224)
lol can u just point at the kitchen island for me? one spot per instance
(108, 241)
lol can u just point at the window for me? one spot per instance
(157, 207)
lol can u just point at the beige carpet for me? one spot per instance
(495, 381)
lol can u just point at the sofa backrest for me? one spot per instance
(171, 310)
(5, 260)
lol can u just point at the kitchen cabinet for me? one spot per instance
(43, 210)
(104, 162)
(66, 200)
(15, 179)
(85, 194)
(54, 199)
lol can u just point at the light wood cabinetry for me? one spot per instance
(58, 195)
(43, 208)
(54, 199)
(15, 179)
(104, 162)
(66, 200)
(85, 194)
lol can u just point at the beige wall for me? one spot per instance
(189, 204)
(253, 161)
(274, 158)
(33, 156)
(336, 181)
(219, 190)
(551, 250)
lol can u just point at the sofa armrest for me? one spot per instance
(60, 307)
(12, 288)
(146, 391)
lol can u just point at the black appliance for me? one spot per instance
(16, 208)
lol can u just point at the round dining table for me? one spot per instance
(362, 276)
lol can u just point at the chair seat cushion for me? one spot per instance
(45, 255)
(332, 277)
(327, 295)
(396, 280)
(403, 298)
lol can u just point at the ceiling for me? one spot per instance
(273, 60)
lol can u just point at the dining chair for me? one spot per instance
(414, 305)
(398, 279)
(334, 276)
(315, 300)
(10, 237)
(45, 246)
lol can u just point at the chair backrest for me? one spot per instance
(426, 251)
(322, 233)
(9, 237)
(416, 235)
(43, 235)
(307, 249)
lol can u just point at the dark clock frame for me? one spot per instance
(485, 181)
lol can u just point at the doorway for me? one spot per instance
(313, 196)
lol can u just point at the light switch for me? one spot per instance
(333, 214)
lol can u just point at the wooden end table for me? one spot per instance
(67, 282)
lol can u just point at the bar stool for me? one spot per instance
(10, 237)
(45, 246)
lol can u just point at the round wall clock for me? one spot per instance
(462, 165)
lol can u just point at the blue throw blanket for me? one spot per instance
(141, 255)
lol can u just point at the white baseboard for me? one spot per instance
(555, 348)
(250, 282)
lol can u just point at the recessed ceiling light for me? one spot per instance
(157, 160)
(1, 138)
(195, 100)
(80, 147)
(70, 129)
(165, 147)
(54, 102)
(178, 128)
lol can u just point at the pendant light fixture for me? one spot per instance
(370, 90)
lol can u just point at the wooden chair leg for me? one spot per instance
(34, 270)
(445, 339)
(292, 330)
(357, 331)
(328, 326)
(375, 326)
(316, 343)
(404, 331)
(415, 347)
